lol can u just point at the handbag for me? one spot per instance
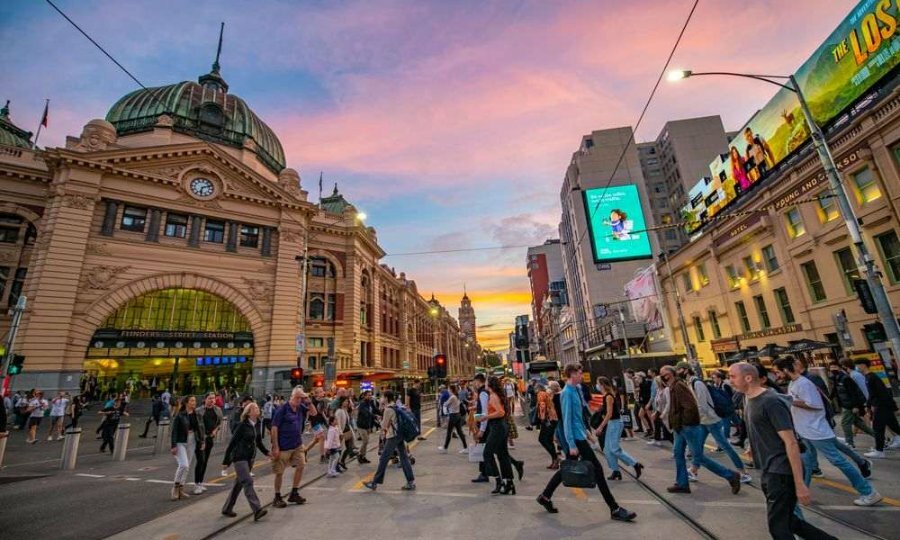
(578, 473)
(476, 453)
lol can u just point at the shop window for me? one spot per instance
(865, 186)
(743, 316)
(176, 225)
(15, 290)
(813, 281)
(762, 311)
(771, 260)
(827, 208)
(847, 264)
(784, 306)
(794, 223)
(702, 275)
(214, 231)
(249, 236)
(698, 329)
(134, 219)
(889, 246)
(714, 323)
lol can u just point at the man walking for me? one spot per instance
(365, 422)
(776, 454)
(287, 446)
(156, 409)
(808, 413)
(211, 416)
(883, 407)
(392, 442)
(851, 400)
(684, 420)
(58, 408)
(577, 446)
(414, 402)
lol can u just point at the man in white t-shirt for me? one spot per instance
(58, 408)
(36, 407)
(808, 412)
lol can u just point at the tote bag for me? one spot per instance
(476, 453)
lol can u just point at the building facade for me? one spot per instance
(163, 248)
(785, 271)
(545, 271)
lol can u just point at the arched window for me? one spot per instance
(316, 307)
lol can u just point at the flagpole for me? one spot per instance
(41, 124)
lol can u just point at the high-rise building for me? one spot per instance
(545, 268)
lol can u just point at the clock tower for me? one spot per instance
(467, 318)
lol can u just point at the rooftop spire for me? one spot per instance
(335, 192)
(4, 112)
(215, 66)
(213, 78)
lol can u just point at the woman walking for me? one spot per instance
(187, 432)
(240, 453)
(497, 433)
(613, 424)
(454, 421)
(342, 416)
(547, 420)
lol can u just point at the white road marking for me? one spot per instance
(155, 481)
(91, 475)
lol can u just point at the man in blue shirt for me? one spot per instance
(287, 446)
(577, 446)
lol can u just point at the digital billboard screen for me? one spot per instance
(616, 223)
(859, 53)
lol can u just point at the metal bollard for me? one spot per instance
(3, 448)
(163, 441)
(121, 442)
(70, 449)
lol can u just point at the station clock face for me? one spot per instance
(202, 187)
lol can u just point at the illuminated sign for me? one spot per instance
(616, 224)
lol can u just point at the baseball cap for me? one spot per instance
(682, 365)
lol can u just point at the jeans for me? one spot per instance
(613, 449)
(586, 453)
(692, 436)
(781, 500)
(390, 446)
(718, 432)
(183, 458)
(495, 447)
(849, 420)
(242, 481)
(454, 421)
(832, 453)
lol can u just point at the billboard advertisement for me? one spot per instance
(616, 223)
(644, 299)
(860, 52)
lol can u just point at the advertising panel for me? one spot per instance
(644, 299)
(616, 223)
(861, 51)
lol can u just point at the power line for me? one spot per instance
(459, 250)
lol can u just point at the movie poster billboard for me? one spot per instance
(861, 51)
(645, 305)
(616, 223)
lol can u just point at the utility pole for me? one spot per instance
(688, 350)
(11, 340)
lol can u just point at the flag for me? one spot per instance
(45, 117)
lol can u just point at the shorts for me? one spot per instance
(319, 428)
(34, 421)
(55, 419)
(295, 458)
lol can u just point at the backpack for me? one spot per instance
(407, 428)
(364, 416)
(722, 404)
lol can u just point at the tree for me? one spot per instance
(492, 359)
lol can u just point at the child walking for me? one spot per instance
(333, 446)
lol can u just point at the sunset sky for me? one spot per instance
(449, 123)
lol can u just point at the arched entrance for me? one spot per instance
(184, 340)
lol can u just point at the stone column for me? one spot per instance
(266, 250)
(232, 230)
(153, 228)
(109, 218)
(194, 232)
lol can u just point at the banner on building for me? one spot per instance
(862, 50)
(645, 302)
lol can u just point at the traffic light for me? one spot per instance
(296, 376)
(440, 366)
(15, 365)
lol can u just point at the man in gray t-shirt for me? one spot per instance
(776, 453)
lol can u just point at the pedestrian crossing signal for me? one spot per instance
(15, 365)
(296, 376)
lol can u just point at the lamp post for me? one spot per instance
(688, 350)
(864, 258)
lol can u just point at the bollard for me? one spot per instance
(70, 449)
(163, 441)
(3, 448)
(121, 442)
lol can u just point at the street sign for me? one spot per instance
(301, 342)
(406, 364)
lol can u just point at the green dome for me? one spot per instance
(201, 109)
(10, 134)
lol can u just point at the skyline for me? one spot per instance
(415, 108)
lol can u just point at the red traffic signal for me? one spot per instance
(440, 359)
(296, 375)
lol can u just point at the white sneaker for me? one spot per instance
(463, 451)
(50, 438)
(442, 450)
(895, 443)
(875, 454)
(869, 500)
(746, 478)
(692, 476)
(198, 490)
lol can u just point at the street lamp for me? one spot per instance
(864, 258)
